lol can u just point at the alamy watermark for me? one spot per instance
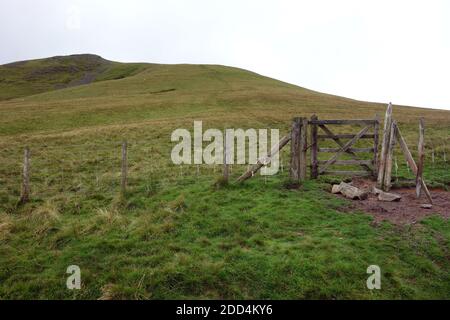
(374, 281)
(74, 280)
(191, 149)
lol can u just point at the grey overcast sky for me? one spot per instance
(377, 50)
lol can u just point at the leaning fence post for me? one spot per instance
(419, 176)
(295, 151)
(123, 184)
(410, 161)
(265, 160)
(303, 147)
(25, 194)
(314, 149)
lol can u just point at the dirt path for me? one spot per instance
(407, 210)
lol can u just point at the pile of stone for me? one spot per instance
(355, 193)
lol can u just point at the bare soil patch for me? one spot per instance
(406, 211)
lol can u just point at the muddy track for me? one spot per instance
(407, 211)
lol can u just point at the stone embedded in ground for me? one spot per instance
(352, 192)
(388, 197)
(426, 206)
(376, 191)
(336, 189)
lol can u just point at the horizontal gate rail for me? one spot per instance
(333, 150)
(349, 162)
(347, 173)
(344, 136)
(351, 121)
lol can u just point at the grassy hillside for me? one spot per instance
(26, 78)
(176, 233)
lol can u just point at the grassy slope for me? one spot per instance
(26, 78)
(175, 234)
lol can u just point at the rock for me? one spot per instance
(352, 192)
(336, 189)
(426, 206)
(376, 191)
(388, 197)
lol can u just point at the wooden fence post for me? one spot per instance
(25, 194)
(384, 145)
(410, 161)
(226, 169)
(123, 184)
(295, 151)
(387, 182)
(265, 160)
(419, 176)
(376, 143)
(303, 147)
(314, 149)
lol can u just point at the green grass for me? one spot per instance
(179, 232)
(26, 78)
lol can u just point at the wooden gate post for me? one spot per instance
(387, 182)
(303, 147)
(376, 144)
(295, 151)
(25, 194)
(384, 146)
(419, 176)
(314, 149)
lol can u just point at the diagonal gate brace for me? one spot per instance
(343, 149)
(341, 144)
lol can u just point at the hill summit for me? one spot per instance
(24, 78)
(70, 92)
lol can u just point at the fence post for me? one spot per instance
(295, 151)
(303, 147)
(387, 182)
(421, 147)
(410, 161)
(226, 169)
(263, 161)
(314, 149)
(123, 184)
(376, 143)
(25, 194)
(384, 146)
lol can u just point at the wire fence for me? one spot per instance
(94, 168)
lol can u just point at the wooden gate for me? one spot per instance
(370, 130)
